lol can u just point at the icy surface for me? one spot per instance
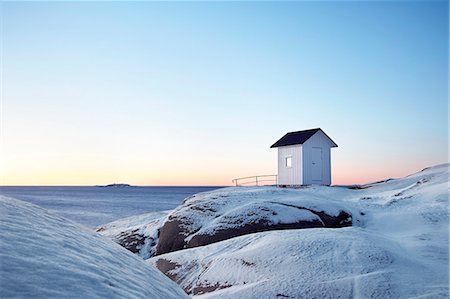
(43, 255)
(398, 246)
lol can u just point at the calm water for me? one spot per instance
(92, 206)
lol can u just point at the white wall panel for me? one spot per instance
(294, 174)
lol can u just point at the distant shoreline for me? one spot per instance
(114, 186)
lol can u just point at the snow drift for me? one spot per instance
(45, 256)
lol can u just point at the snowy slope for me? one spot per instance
(314, 263)
(396, 248)
(45, 256)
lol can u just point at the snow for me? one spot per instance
(398, 246)
(43, 255)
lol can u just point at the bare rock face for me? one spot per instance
(254, 227)
(166, 267)
(132, 240)
(218, 216)
(169, 268)
(173, 233)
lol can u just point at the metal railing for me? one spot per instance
(257, 180)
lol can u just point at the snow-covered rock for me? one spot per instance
(43, 255)
(138, 234)
(398, 246)
(225, 213)
(222, 214)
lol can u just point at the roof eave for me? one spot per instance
(275, 145)
(334, 143)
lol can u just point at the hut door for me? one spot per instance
(316, 164)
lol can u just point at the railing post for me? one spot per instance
(256, 180)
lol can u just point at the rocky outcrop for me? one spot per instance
(170, 269)
(226, 213)
(182, 229)
(133, 239)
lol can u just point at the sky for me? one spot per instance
(195, 93)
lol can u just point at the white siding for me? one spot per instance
(318, 140)
(294, 174)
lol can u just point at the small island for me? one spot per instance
(114, 186)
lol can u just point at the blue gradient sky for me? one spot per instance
(194, 93)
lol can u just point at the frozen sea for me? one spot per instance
(93, 206)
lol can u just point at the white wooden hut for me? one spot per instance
(304, 158)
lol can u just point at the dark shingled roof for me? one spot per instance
(299, 137)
